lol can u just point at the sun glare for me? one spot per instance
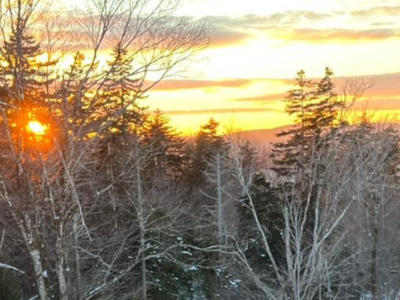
(37, 128)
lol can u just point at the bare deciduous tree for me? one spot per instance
(315, 212)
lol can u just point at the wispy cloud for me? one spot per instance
(253, 21)
(334, 35)
(384, 88)
(219, 111)
(366, 25)
(223, 38)
(378, 11)
(169, 85)
(263, 98)
(228, 30)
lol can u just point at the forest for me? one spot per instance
(101, 198)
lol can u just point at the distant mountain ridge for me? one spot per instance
(264, 135)
(269, 135)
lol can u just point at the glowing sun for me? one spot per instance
(37, 128)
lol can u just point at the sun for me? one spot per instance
(37, 128)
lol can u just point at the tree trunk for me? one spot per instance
(62, 283)
(144, 268)
(60, 268)
(39, 274)
(220, 221)
(374, 262)
(142, 221)
(77, 264)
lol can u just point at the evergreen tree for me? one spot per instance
(315, 106)
(117, 102)
(73, 101)
(206, 144)
(25, 78)
(266, 203)
(11, 285)
(300, 161)
(167, 147)
(268, 206)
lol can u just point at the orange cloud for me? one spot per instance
(383, 86)
(335, 35)
(253, 21)
(384, 93)
(175, 84)
(378, 11)
(263, 98)
(223, 38)
(168, 85)
(230, 31)
(257, 110)
(219, 111)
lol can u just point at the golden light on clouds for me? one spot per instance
(259, 47)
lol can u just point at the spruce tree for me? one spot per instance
(207, 143)
(117, 105)
(315, 106)
(25, 78)
(268, 206)
(72, 99)
(168, 148)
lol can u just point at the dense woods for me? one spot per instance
(101, 198)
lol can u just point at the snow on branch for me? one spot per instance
(5, 266)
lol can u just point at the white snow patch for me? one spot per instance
(235, 283)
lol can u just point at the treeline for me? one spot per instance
(107, 201)
(141, 212)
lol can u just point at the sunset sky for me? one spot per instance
(259, 46)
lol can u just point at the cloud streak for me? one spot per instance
(263, 98)
(223, 38)
(219, 111)
(171, 85)
(335, 35)
(253, 21)
(229, 31)
(378, 11)
(384, 94)
(305, 26)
